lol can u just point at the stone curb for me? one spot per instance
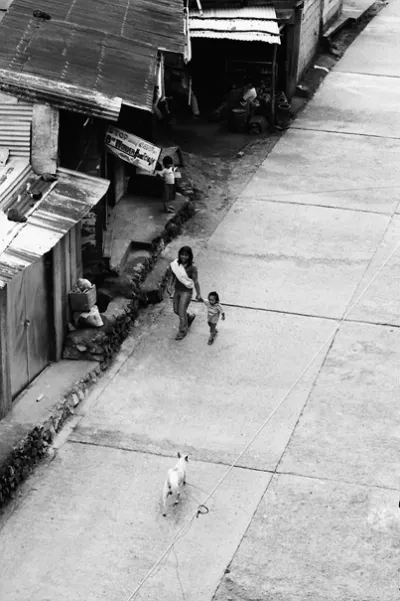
(36, 442)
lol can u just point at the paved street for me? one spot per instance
(310, 511)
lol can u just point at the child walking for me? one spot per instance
(168, 175)
(214, 310)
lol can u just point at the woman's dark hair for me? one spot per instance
(215, 295)
(167, 161)
(188, 251)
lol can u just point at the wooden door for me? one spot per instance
(28, 325)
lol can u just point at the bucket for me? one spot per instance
(238, 120)
(283, 114)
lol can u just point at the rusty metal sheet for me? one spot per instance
(234, 4)
(60, 95)
(65, 205)
(102, 48)
(12, 176)
(29, 328)
(18, 343)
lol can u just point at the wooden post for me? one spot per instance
(5, 381)
(273, 86)
(57, 301)
(45, 129)
(293, 49)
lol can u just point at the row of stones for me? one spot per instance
(35, 446)
(128, 295)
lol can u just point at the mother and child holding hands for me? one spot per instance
(183, 274)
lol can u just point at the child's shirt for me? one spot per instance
(213, 311)
(168, 175)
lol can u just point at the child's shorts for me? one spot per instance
(169, 192)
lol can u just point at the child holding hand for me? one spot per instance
(214, 310)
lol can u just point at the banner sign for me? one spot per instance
(132, 149)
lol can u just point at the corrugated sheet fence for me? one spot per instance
(15, 127)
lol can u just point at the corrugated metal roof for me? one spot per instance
(248, 12)
(249, 24)
(283, 8)
(209, 4)
(65, 205)
(95, 50)
(15, 126)
(12, 176)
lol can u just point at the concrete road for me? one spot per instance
(307, 264)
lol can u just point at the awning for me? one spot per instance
(68, 201)
(251, 24)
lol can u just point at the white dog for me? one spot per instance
(175, 479)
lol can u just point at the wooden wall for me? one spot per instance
(67, 268)
(5, 384)
(309, 34)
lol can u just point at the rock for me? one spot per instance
(303, 91)
(81, 347)
(81, 394)
(51, 453)
(116, 309)
(75, 400)
(91, 318)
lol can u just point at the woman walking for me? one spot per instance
(183, 273)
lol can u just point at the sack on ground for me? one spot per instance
(91, 319)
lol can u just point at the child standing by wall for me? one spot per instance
(214, 310)
(168, 176)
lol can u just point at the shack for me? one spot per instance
(40, 242)
(237, 44)
(40, 260)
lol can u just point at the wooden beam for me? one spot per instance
(5, 381)
(57, 294)
(273, 88)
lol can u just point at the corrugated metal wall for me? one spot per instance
(15, 126)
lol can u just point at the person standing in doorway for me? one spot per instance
(183, 274)
(168, 176)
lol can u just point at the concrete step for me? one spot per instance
(336, 26)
